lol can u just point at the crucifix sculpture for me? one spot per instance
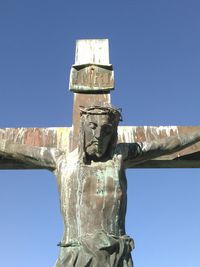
(89, 160)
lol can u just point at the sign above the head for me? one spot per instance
(91, 72)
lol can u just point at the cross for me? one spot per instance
(91, 180)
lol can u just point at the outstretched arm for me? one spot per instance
(38, 157)
(140, 152)
(168, 145)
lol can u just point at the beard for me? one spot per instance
(94, 149)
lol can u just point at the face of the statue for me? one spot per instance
(98, 133)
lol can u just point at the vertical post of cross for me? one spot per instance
(91, 79)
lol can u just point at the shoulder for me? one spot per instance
(128, 150)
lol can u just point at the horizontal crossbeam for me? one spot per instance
(60, 138)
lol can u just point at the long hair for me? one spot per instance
(114, 115)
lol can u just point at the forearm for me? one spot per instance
(36, 156)
(168, 145)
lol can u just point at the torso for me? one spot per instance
(92, 197)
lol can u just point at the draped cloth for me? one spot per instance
(97, 250)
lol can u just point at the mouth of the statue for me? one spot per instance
(94, 148)
(95, 143)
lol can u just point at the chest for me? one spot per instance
(101, 178)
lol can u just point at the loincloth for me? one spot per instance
(97, 250)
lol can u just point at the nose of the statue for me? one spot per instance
(97, 133)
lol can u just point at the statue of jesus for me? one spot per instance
(93, 187)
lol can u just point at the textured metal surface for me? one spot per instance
(88, 78)
(185, 158)
(32, 137)
(84, 100)
(59, 138)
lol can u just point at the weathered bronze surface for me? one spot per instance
(90, 77)
(89, 160)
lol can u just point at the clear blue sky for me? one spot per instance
(155, 50)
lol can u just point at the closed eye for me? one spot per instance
(92, 125)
